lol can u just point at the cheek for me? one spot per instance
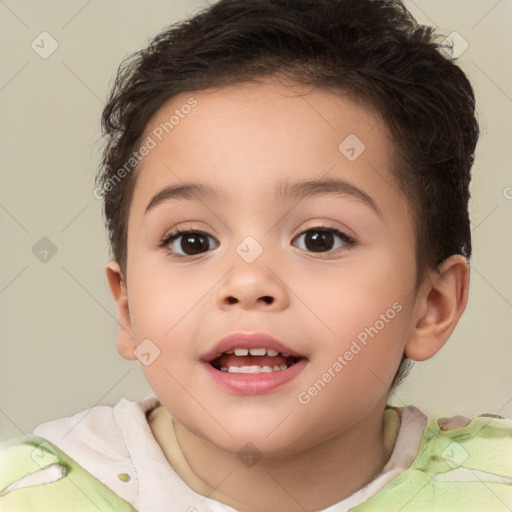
(353, 372)
(363, 312)
(163, 308)
(159, 298)
(356, 294)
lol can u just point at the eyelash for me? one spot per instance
(171, 237)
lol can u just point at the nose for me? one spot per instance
(251, 286)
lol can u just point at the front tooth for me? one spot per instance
(257, 351)
(241, 351)
(236, 369)
(271, 353)
(245, 369)
(267, 369)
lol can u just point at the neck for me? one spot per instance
(309, 480)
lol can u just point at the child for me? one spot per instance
(285, 187)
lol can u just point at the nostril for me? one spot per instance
(266, 298)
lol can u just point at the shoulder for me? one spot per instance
(35, 475)
(88, 447)
(456, 448)
(461, 464)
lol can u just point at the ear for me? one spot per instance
(116, 283)
(440, 304)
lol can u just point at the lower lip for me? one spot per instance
(254, 383)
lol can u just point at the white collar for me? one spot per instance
(107, 441)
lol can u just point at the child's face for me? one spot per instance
(246, 142)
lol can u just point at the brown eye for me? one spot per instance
(190, 243)
(323, 240)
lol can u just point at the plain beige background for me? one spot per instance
(58, 325)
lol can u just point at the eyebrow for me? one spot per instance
(302, 189)
(183, 191)
(294, 190)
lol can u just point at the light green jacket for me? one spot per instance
(463, 470)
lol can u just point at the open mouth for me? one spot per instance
(253, 360)
(252, 363)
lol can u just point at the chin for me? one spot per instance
(259, 438)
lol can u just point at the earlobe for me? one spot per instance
(116, 283)
(441, 302)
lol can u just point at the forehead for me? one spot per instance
(247, 141)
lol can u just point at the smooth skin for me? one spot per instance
(246, 140)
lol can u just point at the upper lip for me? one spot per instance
(247, 340)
